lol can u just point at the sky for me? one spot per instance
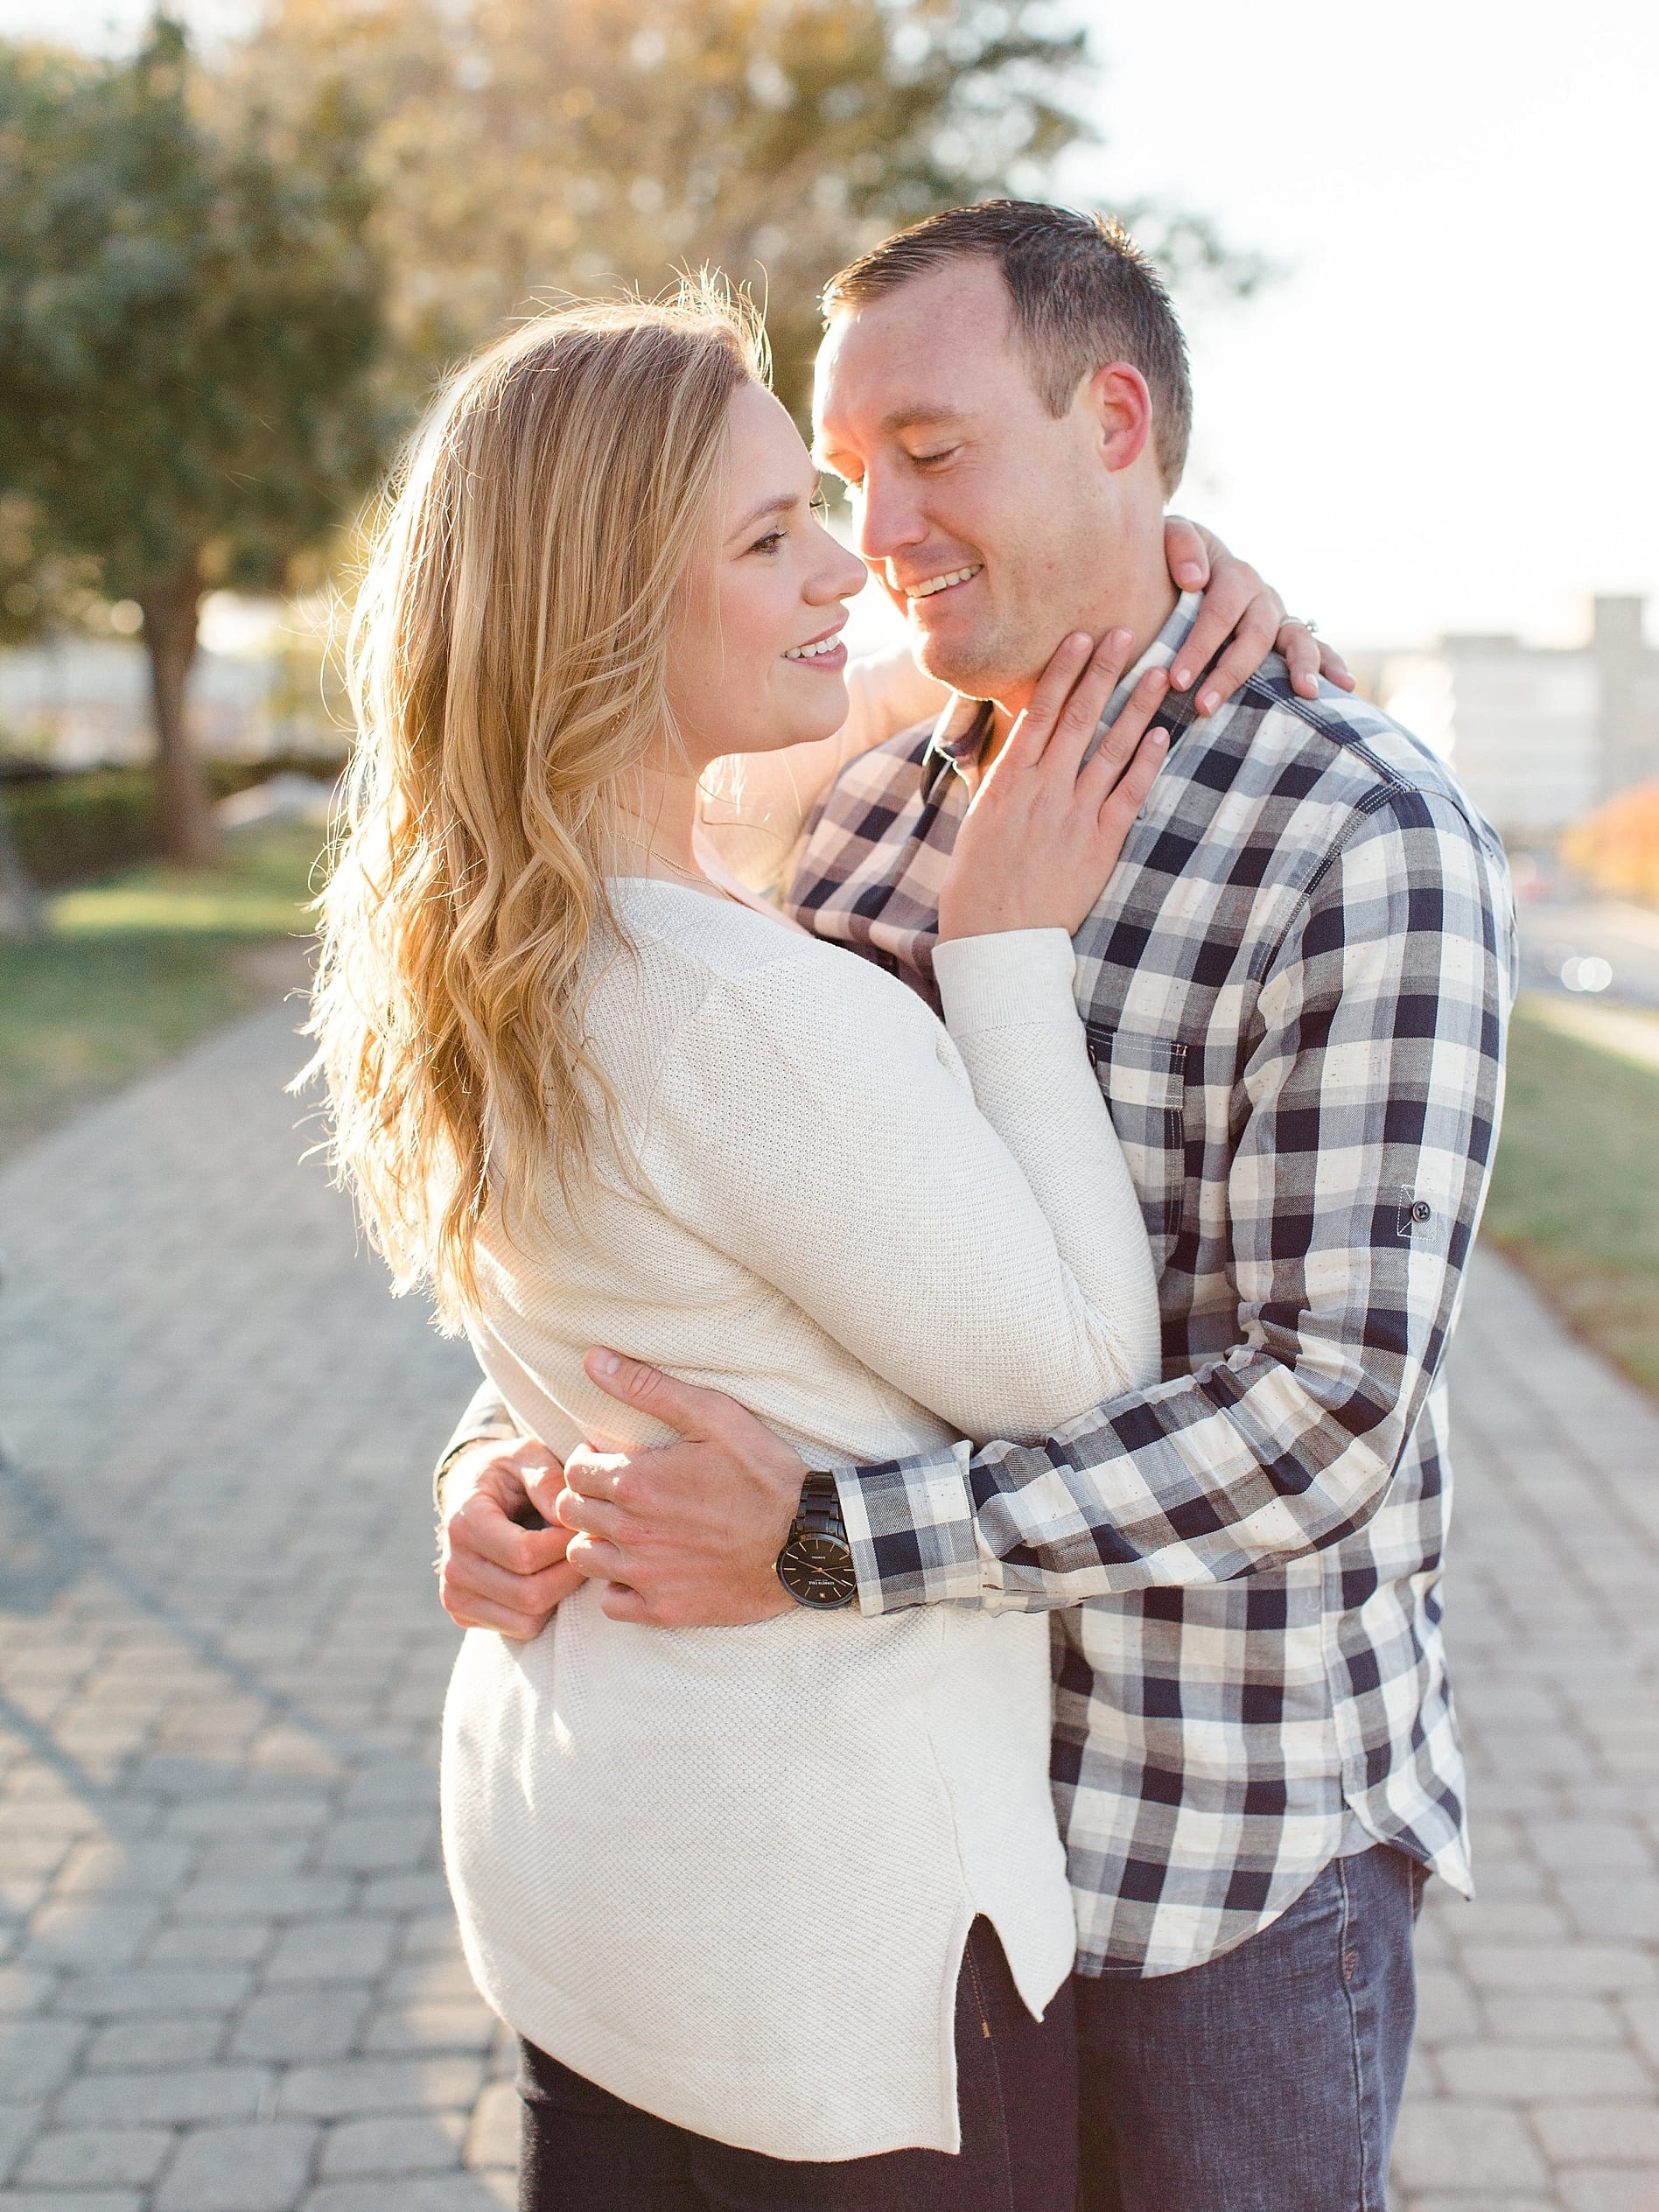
(1444, 416)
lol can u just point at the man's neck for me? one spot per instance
(1140, 604)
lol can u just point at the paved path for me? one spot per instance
(228, 1980)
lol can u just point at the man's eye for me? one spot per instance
(927, 460)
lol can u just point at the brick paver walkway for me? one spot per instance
(228, 1980)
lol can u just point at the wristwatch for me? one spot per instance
(815, 1565)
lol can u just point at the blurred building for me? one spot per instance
(258, 686)
(82, 702)
(1538, 734)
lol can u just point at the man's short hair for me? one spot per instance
(1082, 292)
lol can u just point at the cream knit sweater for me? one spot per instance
(727, 1872)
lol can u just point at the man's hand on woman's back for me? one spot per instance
(683, 1536)
(687, 1533)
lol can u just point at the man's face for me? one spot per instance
(984, 516)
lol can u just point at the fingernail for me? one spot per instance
(1159, 738)
(1208, 703)
(1189, 573)
(1181, 678)
(605, 1363)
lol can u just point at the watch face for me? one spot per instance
(818, 1570)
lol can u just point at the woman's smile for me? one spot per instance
(827, 651)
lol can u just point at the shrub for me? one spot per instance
(72, 826)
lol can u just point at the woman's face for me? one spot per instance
(757, 660)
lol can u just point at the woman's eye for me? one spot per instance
(769, 543)
(821, 504)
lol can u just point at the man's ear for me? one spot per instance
(1120, 406)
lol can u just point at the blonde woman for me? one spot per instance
(780, 1912)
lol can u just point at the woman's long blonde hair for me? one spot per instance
(508, 668)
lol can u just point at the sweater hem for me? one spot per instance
(671, 2086)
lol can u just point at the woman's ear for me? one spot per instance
(1120, 406)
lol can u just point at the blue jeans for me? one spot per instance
(583, 2150)
(1268, 2079)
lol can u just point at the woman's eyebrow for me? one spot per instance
(782, 505)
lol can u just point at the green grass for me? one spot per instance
(140, 966)
(1575, 1196)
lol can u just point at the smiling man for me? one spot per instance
(947, 400)
(1296, 987)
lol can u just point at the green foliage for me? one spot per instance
(38, 591)
(189, 326)
(526, 148)
(191, 334)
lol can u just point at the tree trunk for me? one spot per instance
(22, 911)
(189, 837)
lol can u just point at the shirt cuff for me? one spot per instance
(1008, 979)
(464, 1440)
(911, 1528)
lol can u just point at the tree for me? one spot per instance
(41, 591)
(527, 148)
(191, 330)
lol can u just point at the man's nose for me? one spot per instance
(888, 518)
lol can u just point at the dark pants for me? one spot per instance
(1268, 2079)
(586, 2151)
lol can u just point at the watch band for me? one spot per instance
(819, 1512)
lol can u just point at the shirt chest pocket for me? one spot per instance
(1145, 1080)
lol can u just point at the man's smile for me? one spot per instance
(935, 585)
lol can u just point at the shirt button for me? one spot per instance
(1421, 1211)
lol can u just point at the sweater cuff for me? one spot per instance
(1010, 979)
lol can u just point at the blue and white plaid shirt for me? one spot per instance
(1296, 989)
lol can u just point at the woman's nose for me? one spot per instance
(854, 577)
(839, 578)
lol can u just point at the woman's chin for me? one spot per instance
(803, 727)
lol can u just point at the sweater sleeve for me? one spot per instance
(814, 1123)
